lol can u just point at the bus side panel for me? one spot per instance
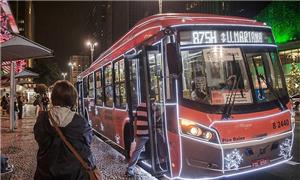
(175, 153)
(119, 117)
(86, 108)
(96, 121)
(174, 140)
(108, 123)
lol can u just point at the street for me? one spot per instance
(21, 149)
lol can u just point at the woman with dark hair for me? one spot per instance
(54, 159)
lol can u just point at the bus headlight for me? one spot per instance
(196, 130)
(208, 135)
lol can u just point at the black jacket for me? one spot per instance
(54, 160)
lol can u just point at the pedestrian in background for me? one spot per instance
(54, 159)
(5, 103)
(45, 102)
(20, 102)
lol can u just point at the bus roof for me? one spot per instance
(151, 25)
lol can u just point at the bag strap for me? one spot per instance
(68, 144)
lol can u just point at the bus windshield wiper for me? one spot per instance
(260, 90)
(272, 90)
(231, 99)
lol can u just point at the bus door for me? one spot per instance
(154, 86)
(133, 79)
(133, 92)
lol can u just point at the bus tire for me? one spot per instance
(128, 138)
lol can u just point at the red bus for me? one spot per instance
(219, 86)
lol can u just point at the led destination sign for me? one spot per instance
(225, 37)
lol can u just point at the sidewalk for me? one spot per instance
(20, 147)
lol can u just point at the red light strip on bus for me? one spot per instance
(237, 25)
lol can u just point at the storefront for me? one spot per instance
(289, 53)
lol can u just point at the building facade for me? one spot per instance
(289, 53)
(23, 12)
(77, 64)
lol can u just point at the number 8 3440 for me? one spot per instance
(280, 124)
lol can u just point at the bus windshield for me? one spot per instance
(211, 75)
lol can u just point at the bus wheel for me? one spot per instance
(128, 138)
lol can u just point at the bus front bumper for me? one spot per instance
(207, 160)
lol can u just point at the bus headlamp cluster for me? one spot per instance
(194, 129)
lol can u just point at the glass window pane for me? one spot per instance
(211, 75)
(109, 96)
(265, 70)
(122, 96)
(117, 91)
(108, 85)
(133, 82)
(117, 72)
(99, 90)
(122, 70)
(155, 66)
(120, 101)
(108, 75)
(91, 86)
(85, 87)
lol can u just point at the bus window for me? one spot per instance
(120, 98)
(210, 75)
(99, 90)
(108, 86)
(155, 65)
(134, 87)
(85, 87)
(91, 86)
(264, 66)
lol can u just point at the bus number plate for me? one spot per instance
(280, 124)
(260, 162)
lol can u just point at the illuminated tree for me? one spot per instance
(293, 84)
(284, 19)
(48, 71)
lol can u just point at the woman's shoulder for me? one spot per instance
(42, 123)
(79, 120)
(42, 115)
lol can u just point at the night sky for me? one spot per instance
(62, 26)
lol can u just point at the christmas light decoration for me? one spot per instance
(285, 148)
(233, 160)
(285, 25)
(294, 79)
(5, 33)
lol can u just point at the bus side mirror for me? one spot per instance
(174, 63)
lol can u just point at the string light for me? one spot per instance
(233, 160)
(285, 148)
